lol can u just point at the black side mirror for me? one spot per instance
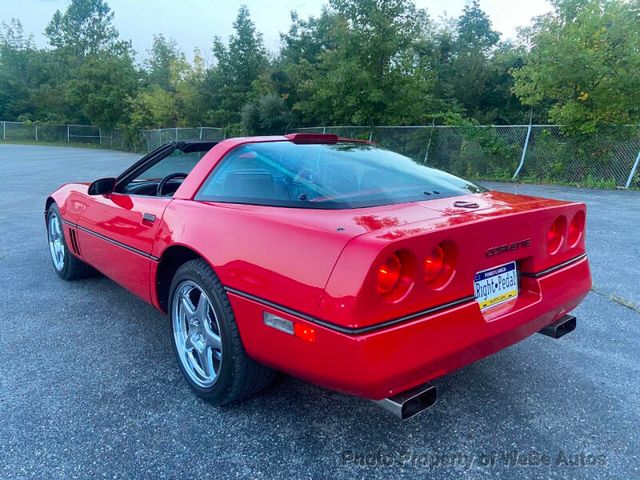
(102, 186)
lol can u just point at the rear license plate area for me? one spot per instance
(496, 285)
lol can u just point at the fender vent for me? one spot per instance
(74, 241)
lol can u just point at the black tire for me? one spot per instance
(72, 267)
(239, 376)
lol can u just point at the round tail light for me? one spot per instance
(389, 274)
(439, 264)
(556, 233)
(576, 229)
(395, 276)
(434, 264)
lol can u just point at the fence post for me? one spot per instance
(324, 129)
(4, 130)
(633, 171)
(426, 154)
(100, 135)
(526, 145)
(68, 126)
(200, 133)
(176, 134)
(371, 133)
(36, 132)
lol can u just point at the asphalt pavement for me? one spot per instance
(89, 387)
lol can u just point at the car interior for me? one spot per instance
(161, 172)
(254, 176)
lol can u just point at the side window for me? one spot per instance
(147, 181)
(246, 176)
(177, 162)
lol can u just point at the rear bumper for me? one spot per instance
(382, 363)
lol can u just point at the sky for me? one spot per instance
(194, 23)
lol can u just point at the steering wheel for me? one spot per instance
(166, 179)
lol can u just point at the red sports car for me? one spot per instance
(333, 260)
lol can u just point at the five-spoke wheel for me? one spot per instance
(67, 265)
(197, 334)
(207, 342)
(56, 241)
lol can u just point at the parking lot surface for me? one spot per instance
(89, 387)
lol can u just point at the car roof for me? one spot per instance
(298, 138)
(188, 146)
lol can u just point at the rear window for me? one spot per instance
(336, 176)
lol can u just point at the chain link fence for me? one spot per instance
(120, 139)
(536, 153)
(51, 133)
(154, 138)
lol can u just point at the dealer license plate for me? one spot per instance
(496, 285)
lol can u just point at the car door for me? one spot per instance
(116, 231)
(116, 234)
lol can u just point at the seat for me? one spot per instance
(255, 184)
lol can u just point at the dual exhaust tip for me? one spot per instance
(408, 404)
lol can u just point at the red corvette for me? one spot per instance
(332, 260)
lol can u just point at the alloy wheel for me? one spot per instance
(56, 241)
(196, 333)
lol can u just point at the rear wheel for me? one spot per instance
(66, 265)
(206, 338)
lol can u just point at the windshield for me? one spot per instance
(335, 176)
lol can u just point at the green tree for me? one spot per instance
(475, 32)
(499, 104)
(374, 73)
(228, 86)
(470, 72)
(101, 90)
(95, 76)
(12, 35)
(85, 28)
(189, 92)
(166, 65)
(584, 64)
(269, 115)
(154, 108)
(244, 58)
(17, 57)
(294, 69)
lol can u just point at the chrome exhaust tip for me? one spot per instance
(560, 328)
(408, 404)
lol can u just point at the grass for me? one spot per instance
(589, 182)
(617, 299)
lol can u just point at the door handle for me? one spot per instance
(148, 218)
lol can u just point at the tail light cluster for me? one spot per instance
(560, 232)
(398, 273)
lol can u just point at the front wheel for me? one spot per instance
(206, 338)
(66, 265)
